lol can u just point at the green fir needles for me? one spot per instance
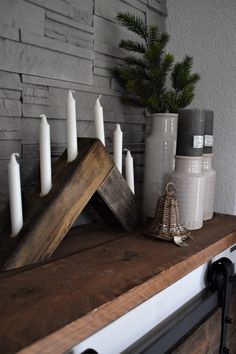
(149, 75)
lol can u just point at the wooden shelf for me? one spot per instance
(102, 275)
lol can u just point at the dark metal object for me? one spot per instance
(87, 351)
(232, 249)
(220, 277)
(165, 336)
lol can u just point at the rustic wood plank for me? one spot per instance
(89, 239)
(48, 219)
(115, 194)
(78, 239)
(73, 186)
(112, 278)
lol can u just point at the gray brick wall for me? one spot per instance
(48, 47)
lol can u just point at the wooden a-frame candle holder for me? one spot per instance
(91, 177)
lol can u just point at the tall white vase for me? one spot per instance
(210, 176)
(160, 148)
(190, 190)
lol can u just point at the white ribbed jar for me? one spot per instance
(160, 148)
(210, 176)
(190, 189)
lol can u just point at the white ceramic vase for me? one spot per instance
(190, 190)
(210, 176)
(160, 148)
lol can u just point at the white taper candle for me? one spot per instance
(15, 195)
(45, 156)
(129, 170)
(117, 153)
(71, 130)
(98, 119)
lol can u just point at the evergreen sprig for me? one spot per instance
(149, 75)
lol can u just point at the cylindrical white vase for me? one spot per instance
(210, 176)
(160, 148)
(190, 190)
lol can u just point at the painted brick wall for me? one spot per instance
(48, 47)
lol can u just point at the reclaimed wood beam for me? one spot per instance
(114, 197)
(91, 177)
(48, 219)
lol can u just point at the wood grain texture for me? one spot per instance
(48, 219)
(88, 290)
(118, 197)
(78, 239)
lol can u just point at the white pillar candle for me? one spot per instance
(98, 119)
(45, 156)
(71, 130)
(129, 170)
(15, 195)
(117, 153)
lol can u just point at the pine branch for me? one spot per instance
(152, 35)
(170, 101)
(154, 104)
(186, 96)
(128, 73)
(150, 77)
(181, 74)
(140, 89)
(132, 46)
(134, 61)
(159, 73)
(133, 23)
(154, 53)
(167, 62)
(164, 39)
(131, 100)
(194, 78)
(117, 73)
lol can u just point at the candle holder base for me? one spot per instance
(91, 177)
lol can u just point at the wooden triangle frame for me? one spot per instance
(92, 177)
